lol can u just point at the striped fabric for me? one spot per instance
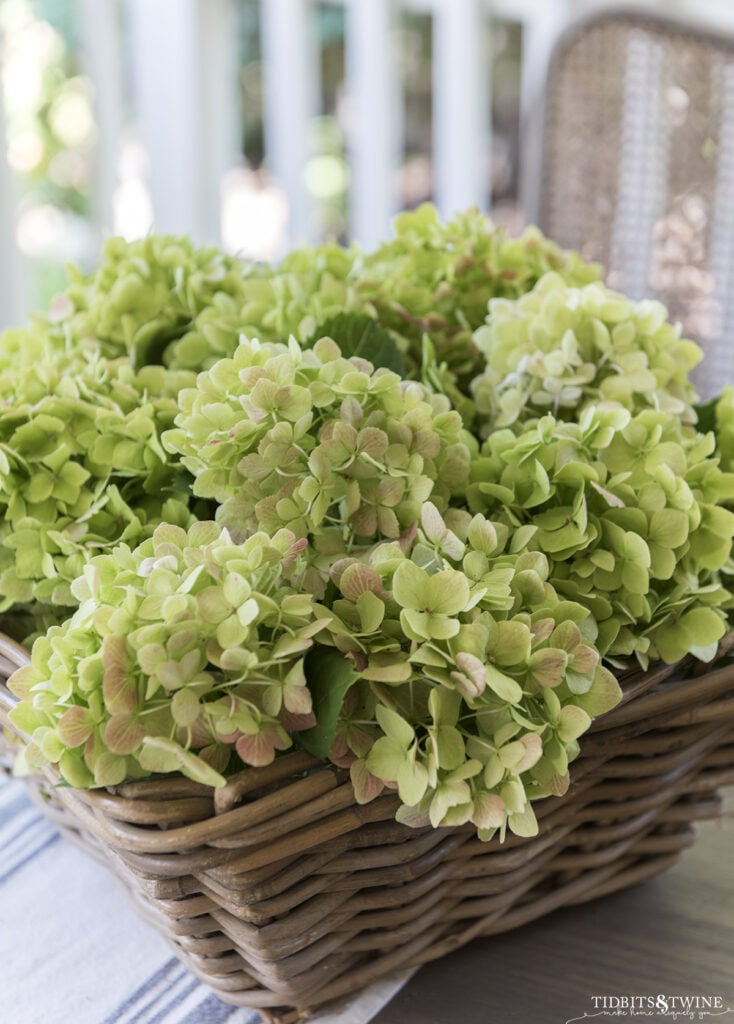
(72, 949)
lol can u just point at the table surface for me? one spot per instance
(673, 935)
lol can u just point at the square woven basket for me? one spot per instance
(282, 893)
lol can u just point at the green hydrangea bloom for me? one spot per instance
(560, 349)
(184, 652)
(145, 295)
(308, 288)
(280, 436)
(476, 678)
(628, 511)
(81, 468)
(436, 279)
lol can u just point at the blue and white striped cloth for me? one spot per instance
(72, 949)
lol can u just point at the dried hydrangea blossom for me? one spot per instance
(628, 511)
(81, 468)
(560, 349)
(436, 279)
(144, 296)
(306, 439)
(475, 677)
(184, 653)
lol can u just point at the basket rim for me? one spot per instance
(647, 694)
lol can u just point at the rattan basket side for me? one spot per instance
(282, 893)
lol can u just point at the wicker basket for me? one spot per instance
(281, 893)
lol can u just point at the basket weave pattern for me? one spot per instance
(282, 893)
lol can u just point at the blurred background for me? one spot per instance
(262, 124)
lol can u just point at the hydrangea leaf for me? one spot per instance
(360, 335)
(330, 676)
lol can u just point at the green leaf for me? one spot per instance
(371, 611)
(449, 747)
(703, 626)
(160, 755)
(109, 769)
(444, 706)
(25, 718)
(185, 707)
(75, 771)
(669, 527)
(706, 413)
(698, 628)
(329, 675)
(359, 335)
(22, 681)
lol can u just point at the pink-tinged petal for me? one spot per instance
(366, 785)
(339, 748)
(259, 750)
(118, 688)
(229, 737)
(357, 579)
(114, 652)
(359, 739)
(489, 811)
(75, 727)
(255, 750)
(297, 700)
(216, 755)
(296, 723)
(123, 734)
(294, 550)
(407, 537)
(534, 751)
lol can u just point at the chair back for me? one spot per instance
(638, 167)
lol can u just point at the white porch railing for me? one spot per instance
(183, 93)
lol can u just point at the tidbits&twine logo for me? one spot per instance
(657, 1007)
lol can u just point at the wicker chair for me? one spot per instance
(638, 167)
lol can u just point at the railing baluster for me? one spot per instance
(102, 45)
(291, 77)
(12, 293)
(375, 107)
(542, 22)
(461, 105)
(182, 60)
